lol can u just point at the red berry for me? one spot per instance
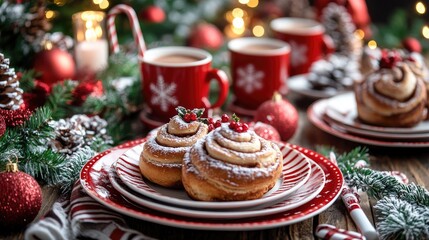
(225, 118)
(193, 116)
(245, 127)
(211, 127)
(187, 117)
(218, 123)
(239, 129)
(210, 120)
(232, 125)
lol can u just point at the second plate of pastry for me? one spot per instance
(338, 116)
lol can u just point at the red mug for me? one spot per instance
(179, 76)
(307, 40)
(259, 67)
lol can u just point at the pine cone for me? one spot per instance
(69, 136)
(340, 27)
(95, 127)
(36, 24)
(337, 73)
(10, 93)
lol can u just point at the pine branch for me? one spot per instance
(70, 169)
(399, 219)
(60, 98)
(43, 165)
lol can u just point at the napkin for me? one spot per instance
(81, 216)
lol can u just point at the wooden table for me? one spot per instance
(413, 162)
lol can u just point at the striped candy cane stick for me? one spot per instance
(329, 232)
(132, 17)
(351, 200)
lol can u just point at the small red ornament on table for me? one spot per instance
(153, 14)
(20, 198)
(280, 114)
(412, 44)
(266, 131)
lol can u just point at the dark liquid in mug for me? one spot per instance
(176, 59)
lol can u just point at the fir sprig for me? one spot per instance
(402, 210)
(60, 98)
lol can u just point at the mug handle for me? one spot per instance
(222, 79)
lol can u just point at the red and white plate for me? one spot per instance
(95, 180)
(342, 109)
(296, 171)
(316, 112)
(304, 194)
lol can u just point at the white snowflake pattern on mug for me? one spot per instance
(298, 55)
(163, 94)
(249, 78)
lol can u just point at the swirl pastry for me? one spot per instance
(228, 166)
(392, 97)
(162, 155)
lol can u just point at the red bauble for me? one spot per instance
(15, 118)
(207, 36)
(412, 45)
(20, 198)
(266, 131)
(280, 114)
(153, 14)
(54, 65)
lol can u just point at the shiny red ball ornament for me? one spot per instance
(153, 14)
(412, 44)
(266, 131)
(280, 114)
(54, 65)
(20, 198)
(206, 35)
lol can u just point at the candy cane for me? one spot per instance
(132, 17)
(329, 232)
(351, 200)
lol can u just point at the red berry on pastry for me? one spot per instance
(225, 118)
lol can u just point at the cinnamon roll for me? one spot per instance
(392, 97)
(228, 165)
(162, 155)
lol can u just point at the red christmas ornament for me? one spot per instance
(2, 126)
(85, 89)
(207, 36)
(412, 44)
(37, 97)
(266, 131)
(55, 65)
(15, 118)
(153, 14)
(20, 198)
(280, 114)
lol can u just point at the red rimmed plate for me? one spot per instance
(315, 114)
(94, 179)
(296, 171)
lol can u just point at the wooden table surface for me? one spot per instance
(413, 162)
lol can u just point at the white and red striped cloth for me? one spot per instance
(81, 216)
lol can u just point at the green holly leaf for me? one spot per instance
(181, 111)
(198, 111)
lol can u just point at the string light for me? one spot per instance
(372, 44)
(243, 1)
(425, 31)
(49, 14)
(237, 13)
(60, 2)
(420, 8)
(238, 23)
(360, 34)
(97, 1)
(104, 4)
(258, 31)
(253, 3)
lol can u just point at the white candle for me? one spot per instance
(91, 55)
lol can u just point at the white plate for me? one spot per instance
(343, 109)
(300, 84)
(315, 115)
(296, 171)
(304, 194)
